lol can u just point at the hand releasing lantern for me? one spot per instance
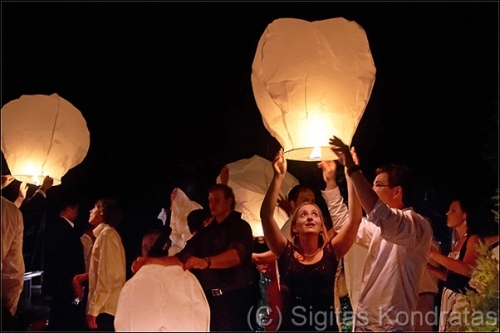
(312, 80)
(43, 136)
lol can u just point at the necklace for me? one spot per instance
(457, 242)
(311, 255)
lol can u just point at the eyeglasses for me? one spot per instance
(381, 185)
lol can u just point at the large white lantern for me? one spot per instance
(312, 80)
(43, 136)
(250, 179)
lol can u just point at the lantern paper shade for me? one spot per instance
(311, 81)
(162, 299)
(43, 136)
(181, 207)
(250, 179)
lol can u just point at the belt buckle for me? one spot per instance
(217, 292)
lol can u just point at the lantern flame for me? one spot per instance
(315, 154)
(35, 180)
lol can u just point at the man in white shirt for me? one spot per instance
(12, 258)
(106, 275)
(397, 238)
(427, 292)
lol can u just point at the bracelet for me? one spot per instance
(352, 169)
(209, 261)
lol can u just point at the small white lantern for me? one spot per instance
(311, 81)
(181, 207)
(43, 136)
(250, 179)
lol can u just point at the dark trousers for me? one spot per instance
(230, 311)
(105, 322)
(9, 322)
(65, 316)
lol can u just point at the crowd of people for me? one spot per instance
(85, 271)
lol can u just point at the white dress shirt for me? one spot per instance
(398, 242)
(107, 271)
(12, 255)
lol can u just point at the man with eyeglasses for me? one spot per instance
(397, 238)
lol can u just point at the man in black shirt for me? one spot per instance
(220, 257)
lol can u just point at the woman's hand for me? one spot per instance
(279, 164)
(329, 168)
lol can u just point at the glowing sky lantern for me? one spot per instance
(312, 80)
(250, 179)
(43, 136)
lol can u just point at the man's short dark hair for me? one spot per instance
(293, 194)
(110, 210)
(228, 192)
(68, 201)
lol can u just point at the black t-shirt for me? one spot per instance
(216, 238)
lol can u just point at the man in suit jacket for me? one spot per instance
(65, 259)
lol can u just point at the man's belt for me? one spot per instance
(222, 291)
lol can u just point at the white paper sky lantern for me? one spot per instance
(312, 80)
(250, 179)
(162, 299)
(43, 136)
(181, 207)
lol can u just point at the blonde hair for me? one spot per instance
(322, 236)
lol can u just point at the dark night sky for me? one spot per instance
(165, 90)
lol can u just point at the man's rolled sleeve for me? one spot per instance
(242, 241)
(396, 226)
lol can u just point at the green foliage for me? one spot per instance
(480, 314)
(346, 314)
(495, 211)
(480, 311)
